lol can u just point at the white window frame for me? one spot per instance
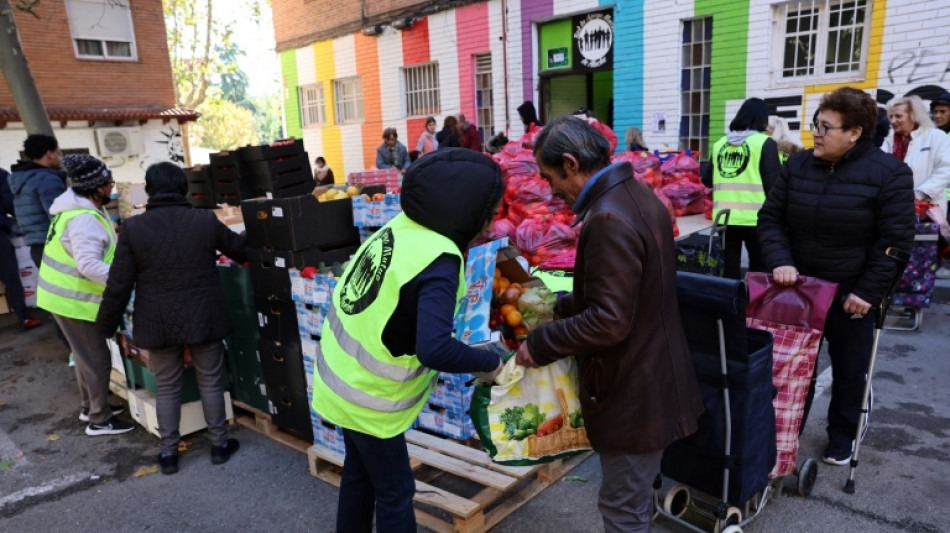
(348, 96)
(421, 90)
(313, 111)
(102, 21)
(484, 113)
(821, 33)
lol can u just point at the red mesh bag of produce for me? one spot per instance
(681, 162)
(526, 191)
(669, 207)
(640, 161)
(564, 261)
(681, 175)
(542, 239)
(527, 140)
(650, 177)
(687, 197)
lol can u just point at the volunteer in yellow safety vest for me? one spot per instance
(79, 249)
(389, 331)
(744, 165)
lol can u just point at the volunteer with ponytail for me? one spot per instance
(77, 256)
(389, 331)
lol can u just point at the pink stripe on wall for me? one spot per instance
(471, 29)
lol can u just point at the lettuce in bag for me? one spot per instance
(536, 306)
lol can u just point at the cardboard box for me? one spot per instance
(310, 320)
(117, 384)
(143, 410)
(132, 199)
(117, 364)
(298, 223)
(316, 291)
(326, 434)
(472, 321)
(369, 214)
(291, 412)
(390, 178)
(278, 149)
(437, 420)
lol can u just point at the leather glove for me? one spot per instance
(488, 378)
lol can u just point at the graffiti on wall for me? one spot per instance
(912, 67)
(787, 107)
(164, 144)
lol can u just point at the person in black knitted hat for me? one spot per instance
(75, 266)
(940, 108)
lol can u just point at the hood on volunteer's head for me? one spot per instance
(452, 191)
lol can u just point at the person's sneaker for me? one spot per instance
(943, 273)
(836, 456)
(31, 323)
(113, 426)
(84, 412)
(221, 454)
(168, 463)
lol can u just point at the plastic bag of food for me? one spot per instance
(640, 161)
(687, 197)
(542, 239)
(681, 162)
(669, 207)
(536, 306)
(531, 415)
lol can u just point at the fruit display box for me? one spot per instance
(375, 213)
(472, 323)
(440, 420)
(390, 178)
(311, 291)
(310, 320)
(298, 223)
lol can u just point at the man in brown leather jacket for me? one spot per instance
(638, 388)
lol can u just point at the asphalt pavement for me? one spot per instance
(55, 478)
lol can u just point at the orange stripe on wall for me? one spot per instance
(415, 49)
(367, 66)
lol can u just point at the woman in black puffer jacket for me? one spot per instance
(832, 214)
(167, 254)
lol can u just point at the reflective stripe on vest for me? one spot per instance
(737, 183)
(61, 288)
(358, 384)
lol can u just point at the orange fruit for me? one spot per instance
(503, 284)
(513, 318)
(507, 308)
(520, 330)
(497, 273)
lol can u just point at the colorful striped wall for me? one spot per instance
(646, 75)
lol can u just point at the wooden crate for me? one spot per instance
(229, 215)
(504, 488)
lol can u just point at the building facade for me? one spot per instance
(103, 72)
(678, 70)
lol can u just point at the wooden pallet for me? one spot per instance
(261, 422)
(504, 488)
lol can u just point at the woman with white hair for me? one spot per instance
(778, 131)
(915, 140)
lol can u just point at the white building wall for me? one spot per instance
(662, 37)
(351, 135)
(306, 66)
(443, 48)
(389, 48)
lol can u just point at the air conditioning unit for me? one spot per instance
(115, 142)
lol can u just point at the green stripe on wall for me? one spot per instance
(288, 67)
(729, 56)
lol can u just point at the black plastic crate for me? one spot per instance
(283, 364)
(275, 150)
(300, 189)
(298, 223)
(277, 320)
(290, 412)
(269, 269)
(247, 376)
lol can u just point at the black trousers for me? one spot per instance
(377, 479)
(10, 276)
(736, 236)
(849, 345)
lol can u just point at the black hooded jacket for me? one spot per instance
(528, 114)
(167, 254)
(452, 192)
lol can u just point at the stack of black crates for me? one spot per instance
(244, 368)
(278, 170)
(285, 233)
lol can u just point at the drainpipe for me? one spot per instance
(504, 44)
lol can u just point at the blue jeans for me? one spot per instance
(376, 476)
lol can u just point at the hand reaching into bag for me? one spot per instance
(489, 377)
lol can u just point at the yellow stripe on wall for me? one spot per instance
(332, 142)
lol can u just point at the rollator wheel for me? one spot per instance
(733, 517)
(677, 500)
(732, 529)
(807, 473)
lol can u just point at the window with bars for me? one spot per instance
(101, 29)
(348, 93)
(421, 84)
(483, 96)
(822, 38)
(312, 110)
(695, 74)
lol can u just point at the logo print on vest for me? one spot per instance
(361, 285)
(733, 160)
